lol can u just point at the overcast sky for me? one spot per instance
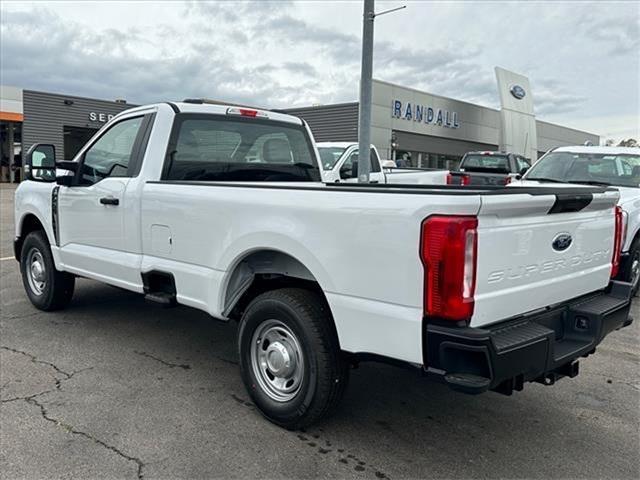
(582, 58)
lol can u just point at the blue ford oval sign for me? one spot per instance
(517, 91)
(561, 242)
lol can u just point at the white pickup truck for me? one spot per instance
(222, 209)
(617, 167)
(339, 161)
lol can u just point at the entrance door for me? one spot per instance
(75, 138)
(92, 213)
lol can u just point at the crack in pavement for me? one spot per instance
(32, 400)
(34, 359)
(184, 366)
(26, 315)
(73, 430)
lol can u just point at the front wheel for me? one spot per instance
(47, 288)
(290, 358)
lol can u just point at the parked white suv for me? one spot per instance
(608, 166)
(223, 209)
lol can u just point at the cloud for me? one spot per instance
(280, 54)
(621, 33)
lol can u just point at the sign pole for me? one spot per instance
(364, 109)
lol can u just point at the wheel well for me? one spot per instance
(261, 271)
(635, 238)
(30, 223)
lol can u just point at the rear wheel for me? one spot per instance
(290, 359)
(47, 288)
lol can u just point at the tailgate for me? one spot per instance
(538, 250)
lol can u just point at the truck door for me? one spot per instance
(91, 213)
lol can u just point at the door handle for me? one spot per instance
(109, 201)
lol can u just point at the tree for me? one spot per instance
(631, 142)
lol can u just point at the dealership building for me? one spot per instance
(66, 121)
(421, 129)
(413, 127)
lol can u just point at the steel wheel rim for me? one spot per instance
(635, 270)
(277, 360)
(36, 271)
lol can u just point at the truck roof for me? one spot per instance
(336, 144)
(220, 109)
(487, 152)
(600, 150)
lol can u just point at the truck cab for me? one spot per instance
(339, 161)
(493, 168)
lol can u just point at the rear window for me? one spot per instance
(621, 170)
(486, 163)
(219, 148)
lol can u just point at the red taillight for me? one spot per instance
(617, 242)
(448, 253)
(458, 179)
(248, 113)
(507, 180)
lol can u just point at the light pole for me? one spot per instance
(364, 110)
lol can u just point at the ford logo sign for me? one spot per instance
(517, 91)
(561, 242)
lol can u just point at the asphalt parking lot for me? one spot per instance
(113, 387)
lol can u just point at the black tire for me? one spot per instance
(56, 289)
(627, 274)
(324, 372)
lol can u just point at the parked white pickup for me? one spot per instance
(618, 167)
(339, 161)
(223, 209)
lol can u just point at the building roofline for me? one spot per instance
(343, 104)
(435, 95)
(567, 128)
(78, 97)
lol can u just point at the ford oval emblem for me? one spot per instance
(517, 91)
(561, 242)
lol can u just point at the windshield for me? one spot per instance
(589, 168)
(329, 156)
(486, 162)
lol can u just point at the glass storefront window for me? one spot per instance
(406, 158)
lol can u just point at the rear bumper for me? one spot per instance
(542, 346)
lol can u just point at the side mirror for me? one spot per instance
(67, 180)
(523, 170)
(40, 163)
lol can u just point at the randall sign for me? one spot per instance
(424, 114)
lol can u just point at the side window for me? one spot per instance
(349, 161)
(375, 162)
(374, 165)
(111, 154)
